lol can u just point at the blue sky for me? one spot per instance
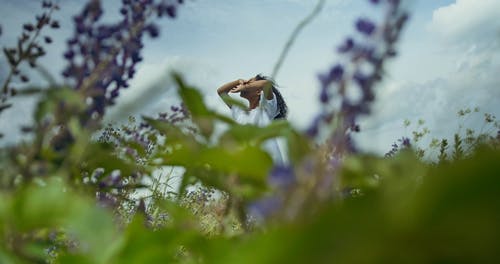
(449, 58)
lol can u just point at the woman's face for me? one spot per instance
(250, 94)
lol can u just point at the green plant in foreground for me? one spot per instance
(68, 198)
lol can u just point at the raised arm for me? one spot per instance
(260, 85)
(226, 88)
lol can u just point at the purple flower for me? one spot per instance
(42, 20)
(405, 142)
(136, 57)
(108, 53)
(69, 54)
(265, 207)
(153, 30)
(323, 96)
(131, 72)
(106, 200)
(72, 41)
(281, 176)
(359, 57)
(28, 27)
(355, 128)
(313, 129)
(346, 46)
(80, 28)
(365, 82)
(46, 4)
(334, 75)
(171, 11)
(365, 26)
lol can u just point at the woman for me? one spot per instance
(265, 104)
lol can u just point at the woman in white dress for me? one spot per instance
(262, 107)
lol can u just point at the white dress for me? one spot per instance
(262, 115)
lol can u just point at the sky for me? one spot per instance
(448, 59)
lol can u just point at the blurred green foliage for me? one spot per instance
(75, 192)
(396, 209)
(411, 212)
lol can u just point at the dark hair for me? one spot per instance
(282, 108)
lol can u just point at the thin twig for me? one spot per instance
(294, 35)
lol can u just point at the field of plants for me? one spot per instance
(78, 190)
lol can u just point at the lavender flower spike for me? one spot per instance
(102, 57)
(360, 56)
(365, 26)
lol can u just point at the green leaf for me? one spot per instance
(298, 145)
(253, 133)
(172, 132)
(191, 97)
(101, 155)
(193, 100)
(233, 102)
(142, 245)
(249, 162)
(223, 118)
(53, 206)
(49, 104)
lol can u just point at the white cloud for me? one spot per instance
(474, 83)
(467, 20)
(153, 91)
(467, 33)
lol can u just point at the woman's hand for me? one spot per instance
(250, 85)
(242, 85)
(239, 88)
(226, 88)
